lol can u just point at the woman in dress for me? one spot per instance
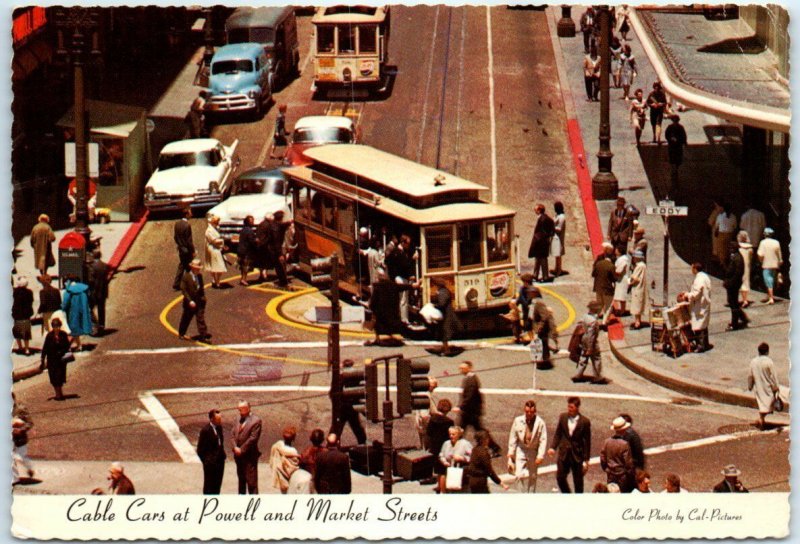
(638, 114)
(640, 294)
(746, 251)
(21, 313)
(455, 452)
(480, 467)
(76, 307)
(628, 70)
(246, 248)
(622, 270)
(616, 61)
(215, 262)
(557, 244)
(56, 345)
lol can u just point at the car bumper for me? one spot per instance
(230, 103)
(177, 202)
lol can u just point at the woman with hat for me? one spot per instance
(56, 345)
(76, 307)
(49, 301)
(21, 312)
(640, 293)
(215, 262)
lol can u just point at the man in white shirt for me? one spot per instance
(754, 223)
(699, 299)
(527, 443)
(769, 254)
(725, 229)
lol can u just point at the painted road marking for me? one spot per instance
(188, 455)
(492, 121)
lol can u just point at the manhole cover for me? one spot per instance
(684, 401)
(736, 428)
(252, 368)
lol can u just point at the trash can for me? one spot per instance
(71, 257)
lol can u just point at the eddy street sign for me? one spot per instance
(667, 208)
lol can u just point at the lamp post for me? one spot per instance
(604, 184)
(566, 26)
(80, 24)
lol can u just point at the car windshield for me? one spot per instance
(255, 186)
(323, 134)
(176, 160)
(232, 66)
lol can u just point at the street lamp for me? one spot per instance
(566, 26)
(80, 24)
(604, 184)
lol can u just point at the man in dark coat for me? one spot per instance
(183, 240)
(572, 440)
(539, 251)
(246, 433)
(605, 277)
(675, 135)
(277, 233)
(211, 451)
(98, 290)
(733, 283)
(616, 459)
(194, 302)
(450, 324)
(332, 476)
(620, 226)
(731, 483)
(470, 407)
(635, 442)
(263, 257)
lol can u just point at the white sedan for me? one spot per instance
(196, 172)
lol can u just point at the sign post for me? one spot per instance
(667, 209)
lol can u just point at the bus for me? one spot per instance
(346, 190)
(349, 45)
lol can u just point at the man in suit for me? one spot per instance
(183, 239)
(211, 451)
(540, 244)
(731, 483)
(194, 302)
(604, 283)
(620, 226)
(98, 290)
(572, 440)
(333, 470)
(246, 433)
(471, 406)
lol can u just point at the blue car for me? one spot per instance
(239, 80)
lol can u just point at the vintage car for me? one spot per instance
(239, 81)
(195, 172)
(317, 130)
(258, 192)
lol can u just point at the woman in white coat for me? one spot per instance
(763, 382)
(557, 244)
(746, 251)
(622, 269)
(640, 291)
(699, 299)
(215, 262)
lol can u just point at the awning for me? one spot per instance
(736, 87)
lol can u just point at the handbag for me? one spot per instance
(431, 314)
(68, 357)
(455, 478)
(777, 402)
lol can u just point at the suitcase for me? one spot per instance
(414, 464)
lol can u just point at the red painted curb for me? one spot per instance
(125, 243)
(585, 186)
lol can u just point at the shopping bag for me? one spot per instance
(777, 402)
(431, 314)
(454, 480)
(537, 350)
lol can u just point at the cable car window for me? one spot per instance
(439, 248)
(498, 243)
(325, 39)
(469, 245)
(347, 39)
(366, 39)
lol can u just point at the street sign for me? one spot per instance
(668, 211)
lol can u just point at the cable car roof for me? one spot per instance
(349, 14)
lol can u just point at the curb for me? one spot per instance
(125, 243)
(24, 374)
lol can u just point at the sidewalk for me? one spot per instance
(643, 174)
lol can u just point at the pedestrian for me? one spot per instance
(42, 238)
(284, 459)
(590, 350)
(437, 433)
(558, 243)
(120, 483)
(245, 435)
(731, 483)
(302, 481)
(623, 21)
(591, 74)
(182, 234)
(195, 119)
(635, 441)
(519, 310)
(754, 222)
(622, 274)
(384, 303)
(333, 470)
(470, 407)
(194, 303)
(639, 241)
(246, 249)
(657, 102)
(763, 382)
(455, 452)
(628, 72)
(539, 250)
(604, 274)
(215, 244)
(211, 451)
(746, 252)
(277, 234)
(280, 133)
(290, 247)
(98, 291)
(480, 467)
(771, 259)
(587, 23)
(615, 51)
(642, 482)
(620, 225)
(699, 299)
(616, 459)
(672, 484)
(543, 326)
(733, 284)
(638, 115)
(20, 427)
(675, 135)
(725, 228)
(21, 313)
(400, 263)
(55, 348)
(76, 307)
(572, 440)
(349, 415)
(600, 487)
(263, 258)
(717, 249)
(640, 290)
(450, 325)
(423, 416)
(49, 301)
(527, 444)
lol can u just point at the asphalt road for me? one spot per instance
(438, 112)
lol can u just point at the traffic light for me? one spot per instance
(412, 386)
(321, 271)
(360, 389)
